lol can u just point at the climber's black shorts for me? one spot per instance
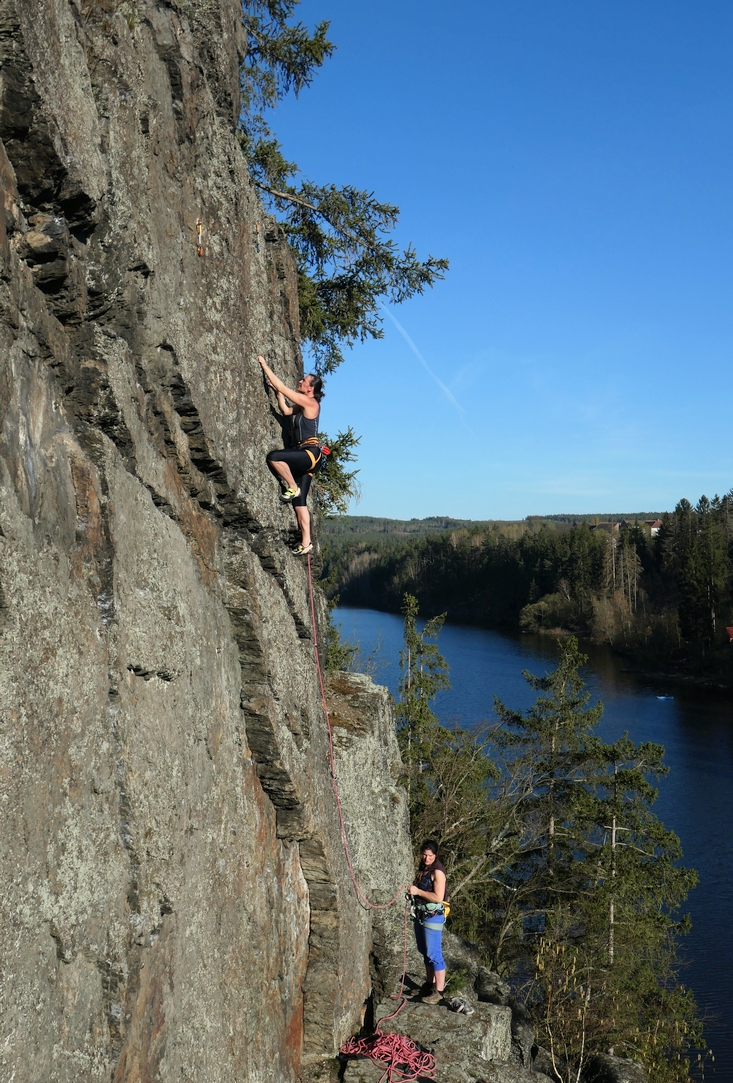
(302, 462)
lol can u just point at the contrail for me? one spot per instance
(446, 391)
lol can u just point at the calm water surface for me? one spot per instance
(695, 799)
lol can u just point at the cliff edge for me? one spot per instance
(175, 898)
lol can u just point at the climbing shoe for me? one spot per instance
(289, 495)
(434, 998)
(303, 550)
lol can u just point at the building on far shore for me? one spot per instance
(652, 525)
(610, 528)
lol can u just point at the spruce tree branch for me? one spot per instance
(316, 210)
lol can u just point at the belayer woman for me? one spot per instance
(428, 892)
(295, 465)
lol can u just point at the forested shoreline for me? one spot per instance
(665, 601)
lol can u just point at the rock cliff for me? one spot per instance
(175, 898)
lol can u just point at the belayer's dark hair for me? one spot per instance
(317, 383)
(430, 844)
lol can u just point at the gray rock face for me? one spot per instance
(176, 903)
(375, 812)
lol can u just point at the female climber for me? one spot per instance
(428, 889)
(295, 465)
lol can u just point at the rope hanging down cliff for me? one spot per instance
(398, 1055)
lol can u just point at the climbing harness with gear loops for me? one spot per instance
(399, 1056)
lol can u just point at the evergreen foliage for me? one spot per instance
(340, 654)
(424, 674)
(696, 554)
(335, 484)
(556, 864)
(348, 263)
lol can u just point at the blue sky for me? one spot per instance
(574, 162)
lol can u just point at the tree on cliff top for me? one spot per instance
(347, 262)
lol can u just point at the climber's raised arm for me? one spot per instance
(283, 405)
(303, 397)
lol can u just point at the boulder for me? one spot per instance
(466, 1047)
(490, 988)
(460, 955)
(605, 1068)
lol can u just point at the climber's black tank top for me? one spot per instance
(304, 428)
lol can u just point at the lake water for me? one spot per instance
(695, 799)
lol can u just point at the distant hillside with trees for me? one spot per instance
(372, 526)
(369, 526)
(664, 599)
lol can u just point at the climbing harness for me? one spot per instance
(423, 911)
(402, 1060)
(313, 452)
(316, 452)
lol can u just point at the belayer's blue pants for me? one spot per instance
(429, 940)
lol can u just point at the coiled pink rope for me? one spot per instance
(399, 1056)
(401, 1059)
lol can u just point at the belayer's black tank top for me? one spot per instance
(424, 878)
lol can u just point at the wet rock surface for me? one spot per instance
(176, 903)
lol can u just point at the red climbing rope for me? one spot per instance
(399, 1056)
(401, 1059)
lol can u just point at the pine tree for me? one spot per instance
(713, 560)
(340, 237)
(624, 926)
(424, 674)
(448, 770)
(696, 555)
(547, 753)
(598, 890)
(335, 484)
